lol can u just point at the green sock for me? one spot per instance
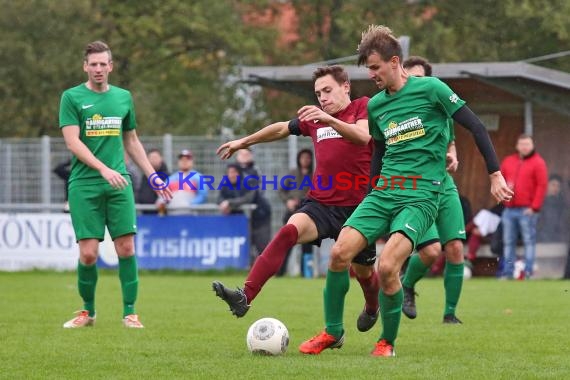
(336, 287)
(86, 283)
(390, 311)
(452, 281)
(128, 274)
(415, 271)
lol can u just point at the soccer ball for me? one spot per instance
(267, 336)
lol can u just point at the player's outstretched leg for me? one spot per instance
(266, 265)
(235, 299)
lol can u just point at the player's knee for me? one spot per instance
(429, 253)
(339, 257)
(125, 247)
(454, 251)
(387, 269)
(88, 256)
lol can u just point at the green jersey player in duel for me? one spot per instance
(408, 122)
(449, 229)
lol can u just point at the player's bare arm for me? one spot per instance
(272, 132)
(80, 150)
(356, 133)
(137, 153)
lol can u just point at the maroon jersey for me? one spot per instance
(342, 167)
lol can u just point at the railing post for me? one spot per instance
(167, 150)
(45, 174)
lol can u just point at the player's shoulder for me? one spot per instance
(425, 81)
(74, 91)
(377, 99)
(363, 100)
(119, 91)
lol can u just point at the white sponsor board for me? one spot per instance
(37, 241)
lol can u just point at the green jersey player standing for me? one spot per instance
(449, 229)
(408, 122)
(98, 125)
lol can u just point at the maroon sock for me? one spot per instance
(473, 244)
(370, 287)
(270, 260)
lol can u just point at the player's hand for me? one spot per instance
(162, 190)
(225, 207)
(452, 163)
(292, 204)
(115, 179)
(528, 211)
(499, 188)
(313, 113)
(226, 150)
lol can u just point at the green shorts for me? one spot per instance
(410, 212)
(94, 206)
(449, 224)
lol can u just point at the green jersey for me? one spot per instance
(413, 123)
(102, 118)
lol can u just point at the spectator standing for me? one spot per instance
(526, 174)
(261, 216)
(552, 227)
(232, 198)
(186, 186)
(292, 194)
(145, 194)
(63, 171)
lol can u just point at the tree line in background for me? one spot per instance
(179, 58)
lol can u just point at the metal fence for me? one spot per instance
(26, 166)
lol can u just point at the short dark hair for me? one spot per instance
(555, 177)
(418, 61)
(235, 167)
(154, 150)
(524, 136)
(378, 39)
(96, 47)
(336, 71)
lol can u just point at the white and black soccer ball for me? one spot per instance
(267, 336)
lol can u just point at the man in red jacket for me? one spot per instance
(526, 174)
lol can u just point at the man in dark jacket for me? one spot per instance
(232, 198)
(145, 193)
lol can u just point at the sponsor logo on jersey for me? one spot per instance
(327, 133)
(453, 98)
(98, 125)
(406, 130)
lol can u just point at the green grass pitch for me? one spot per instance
(512, 330)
